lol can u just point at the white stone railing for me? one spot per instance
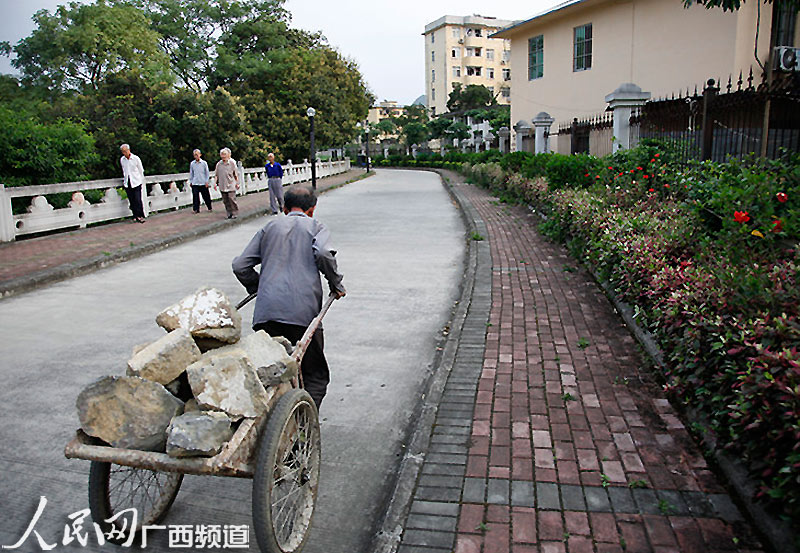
(163, 192)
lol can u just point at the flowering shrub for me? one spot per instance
(708, 256)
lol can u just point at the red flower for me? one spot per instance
(666, 186)
(741, 216)
(777, 225)
(782, 197)
(597, 176)
(657, 155)
(653, 160)
(639, 169)
(586, 175)
(651, 190)
(647, 176)
(610, 168)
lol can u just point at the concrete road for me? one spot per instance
(400, 243)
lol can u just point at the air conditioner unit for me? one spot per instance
(461, 41)
(502, 62)
(786, 58)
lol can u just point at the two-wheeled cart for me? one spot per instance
(280, 450)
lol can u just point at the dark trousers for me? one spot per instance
(316, 375)
(229, 200)
(135, 200)
(197, 190)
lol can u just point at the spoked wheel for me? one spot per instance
(287, 475)
(115, 488)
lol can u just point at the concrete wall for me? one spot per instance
(656, 44)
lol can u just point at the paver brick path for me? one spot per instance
(36, 255)
(558, 441)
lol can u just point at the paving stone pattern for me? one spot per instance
(550, 436)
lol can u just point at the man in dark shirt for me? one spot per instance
(292, 252)
(275, 184)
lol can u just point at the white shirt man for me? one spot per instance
(132, 180)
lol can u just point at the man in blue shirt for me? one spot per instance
(292, 252)
(275, 183)
(199, 178)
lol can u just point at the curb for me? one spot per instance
(27, 283)
(390, 528)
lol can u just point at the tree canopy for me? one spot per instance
(472, 96)
(168, 76)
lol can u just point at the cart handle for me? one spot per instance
(245, 301)
(302, 345)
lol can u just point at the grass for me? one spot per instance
(477, 237)
(583, 343)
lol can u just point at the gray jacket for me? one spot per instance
(292, 252)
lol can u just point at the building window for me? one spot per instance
(469, 31)
(506, 55)
(489, 54)
(456, 32)
(784, 17)
(433, 56)
(491, 90)
(536, 57)
(582, 58)
(505, 92)
(473, 71)
(433, 75)
(478, 32)
(433, 94)
(456, 71)
(491, 72)
(433, 111)
(506, 74)
(455, 53)
(470, 51)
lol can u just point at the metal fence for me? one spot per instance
(589, 136)
(720, 124)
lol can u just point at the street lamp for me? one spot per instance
(365, 127)
(311, 112)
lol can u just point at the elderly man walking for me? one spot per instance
(275, 183)
(133, 181)
(199, 177)
(292, 252)
(227, 182)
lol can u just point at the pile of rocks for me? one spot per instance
(186, 392)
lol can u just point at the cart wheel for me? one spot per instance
(287, 474)
(115, 488)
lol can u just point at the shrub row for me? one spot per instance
(708, 256)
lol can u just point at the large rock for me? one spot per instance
(208, 316)
(166, 358)
(229, 383)
(128, 412)
(198, 434)
(268, 355)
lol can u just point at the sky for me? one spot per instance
(383, 38)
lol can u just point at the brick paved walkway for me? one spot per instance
(51, 257)
(550, 436)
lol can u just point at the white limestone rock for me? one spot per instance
(267, 354)
(208, 316)
(128, 412)
(229, 383)
(166, 358)
(198, 434)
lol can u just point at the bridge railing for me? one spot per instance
(164, 192)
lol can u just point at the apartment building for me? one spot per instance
(458, 50)
(567, 59)
(384, 110)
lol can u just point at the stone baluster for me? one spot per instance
(7, 230)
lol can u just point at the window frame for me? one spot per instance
(536, 57)
(582, 61)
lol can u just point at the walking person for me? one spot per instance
(275, 183)
(199, 178)
(133, 181)
(227, 182)
(292, 252)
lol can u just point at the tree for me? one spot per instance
(34, 152)
(79, 45)
(415, 132)
(474, 96)
(498, 116)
